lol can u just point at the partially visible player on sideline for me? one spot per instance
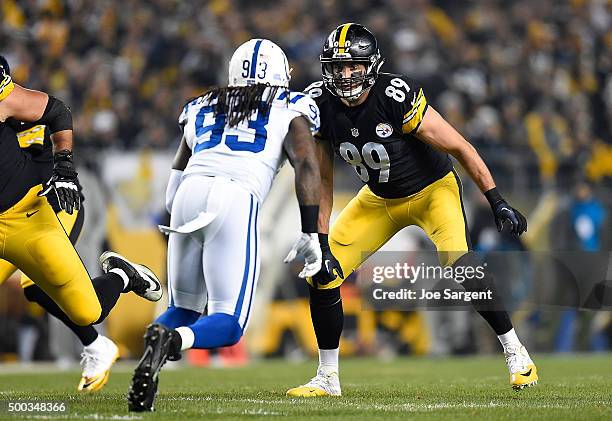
(99, 352)
(31, 236)
(235, 138)
(399, 146)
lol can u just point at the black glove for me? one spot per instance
(330, 263)
(503, 212)
(63, 183)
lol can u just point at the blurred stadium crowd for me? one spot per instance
(528, 82)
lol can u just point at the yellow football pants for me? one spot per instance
(33, 240)
(68, 223)
(369, 221)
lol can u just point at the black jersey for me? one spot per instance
(35, 140)
(18, 173)
(377, 139)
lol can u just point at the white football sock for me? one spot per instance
(187, 337)
(120, 272)
(328, 359)
(509, 338)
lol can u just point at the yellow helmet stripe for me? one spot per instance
(342, 38)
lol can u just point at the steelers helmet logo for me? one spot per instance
(384, 130)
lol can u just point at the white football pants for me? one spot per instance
(213, 254)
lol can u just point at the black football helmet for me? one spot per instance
(350, 42)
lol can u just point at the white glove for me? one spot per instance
(173, 184)
(307, 246)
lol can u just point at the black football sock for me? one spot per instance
(492, 310)
(327, 316)
(108, 289)
(498, 320)
(86, 334)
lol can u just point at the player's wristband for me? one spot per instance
(310, 216)
(324, 241)
(493, 197)
(63, 164)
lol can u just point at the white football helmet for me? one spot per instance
(259, 61)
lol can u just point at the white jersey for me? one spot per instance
(250, 153)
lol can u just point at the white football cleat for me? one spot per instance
(523, 372)
(325, 383)
(142, 280)
(98, 358)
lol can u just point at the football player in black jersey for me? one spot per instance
(99, 352)
(399, 146)
(32, 238)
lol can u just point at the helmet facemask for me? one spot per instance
(350, 88)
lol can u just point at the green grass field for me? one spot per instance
(571, 387)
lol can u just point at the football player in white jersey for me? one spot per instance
(235, 138)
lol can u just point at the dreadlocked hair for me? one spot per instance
(238, 102)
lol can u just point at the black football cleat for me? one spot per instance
(143, 281)
(160, 344)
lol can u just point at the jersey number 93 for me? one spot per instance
(234, 142)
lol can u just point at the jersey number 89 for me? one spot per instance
(394, 90)
(350, 154)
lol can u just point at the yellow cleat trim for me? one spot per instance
(526, 379)
(306, 392)
(93, 384)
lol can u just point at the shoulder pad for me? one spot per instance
(317, 91)
(405, 96)
(409, 86)
(183, 116)
(303, 104)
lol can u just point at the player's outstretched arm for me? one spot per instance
(35, 106)
(23, 104)
(436, 131)
(325, 156)
(182, 155)
(300, 150)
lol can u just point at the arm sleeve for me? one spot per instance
(57, 116)
(173, 184)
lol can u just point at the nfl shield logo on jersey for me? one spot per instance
(384, 130)
(354, 132)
